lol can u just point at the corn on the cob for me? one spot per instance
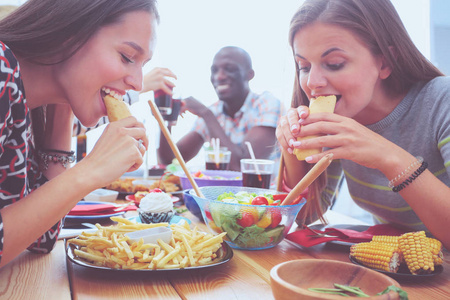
(415, 248)
(436, 250)
(377, 256)
(386, 239)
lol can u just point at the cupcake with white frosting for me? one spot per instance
(156, 207)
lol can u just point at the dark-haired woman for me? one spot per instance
(58, 59)
(390, 131)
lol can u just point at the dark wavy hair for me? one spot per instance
(376, 24)
(51, 31)
(48, 32)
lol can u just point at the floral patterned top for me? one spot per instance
(19, 172)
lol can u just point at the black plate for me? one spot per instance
(403, 272)
(224, 254)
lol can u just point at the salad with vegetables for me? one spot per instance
(256, 226)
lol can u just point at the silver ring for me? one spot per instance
(140, 143)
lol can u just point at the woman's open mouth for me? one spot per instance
(108, 91)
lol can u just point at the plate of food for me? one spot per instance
(132, 198)
(403, 272)
(411, 255)
(208, 251)
(131, 185)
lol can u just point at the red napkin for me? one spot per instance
(306, 238)
(99, 209)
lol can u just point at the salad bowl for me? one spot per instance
(211, 178)
(252, 217)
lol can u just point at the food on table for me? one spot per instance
(417, 252)
(317, 105)
(377, 256)
(116, 109)
(109, 247)
(139, 195)
(125, 185)
(201, 175)
(435, 246)
(156, 207)
(254, 226)
(420, 253)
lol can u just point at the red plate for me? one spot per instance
(132, 199)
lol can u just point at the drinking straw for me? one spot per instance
(216, 150)
(252, 155)
(312, 174)
(174, 147)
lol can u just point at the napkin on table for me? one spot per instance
(306, 238)
(99, 209)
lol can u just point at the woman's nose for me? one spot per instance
(316, 78)
(135, 79)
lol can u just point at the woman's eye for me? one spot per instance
(126, 59)
(335, 67)
(304, 69)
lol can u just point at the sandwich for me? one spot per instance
(316, 105)
(116, 109)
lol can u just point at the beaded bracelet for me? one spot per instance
(67, 158)
(410, 179)
(407, 171)
(59, 151)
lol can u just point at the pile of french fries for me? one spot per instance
(109, 247)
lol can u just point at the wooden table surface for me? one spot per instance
(245, 276)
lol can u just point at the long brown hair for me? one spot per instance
(377, 24)
(51, 31)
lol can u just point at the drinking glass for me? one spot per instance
(221, 163)
(256, 172)
(164, 102)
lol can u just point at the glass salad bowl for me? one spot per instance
(249, 226)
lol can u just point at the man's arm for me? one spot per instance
(262, 139)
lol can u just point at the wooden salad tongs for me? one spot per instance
(174, 147)
(309, 177)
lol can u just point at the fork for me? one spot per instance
(318, 234)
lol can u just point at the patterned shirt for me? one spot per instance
(19, 171)
(257, 110)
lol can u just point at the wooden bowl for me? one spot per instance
(291, 279)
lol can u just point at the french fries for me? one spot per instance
(109, 247)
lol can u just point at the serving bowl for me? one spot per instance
(248, 227)
(292, 279)
(212, 178)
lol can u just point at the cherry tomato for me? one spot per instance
(280, 197)
(275, 203)
(197, 174)
(208, 215)
(246, 220)
(156, 190)
(276, 218)
(260, 200)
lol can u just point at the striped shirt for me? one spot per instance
(420, 124)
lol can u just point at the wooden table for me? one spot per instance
(245, 276)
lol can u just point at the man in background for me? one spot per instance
(239, 116)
